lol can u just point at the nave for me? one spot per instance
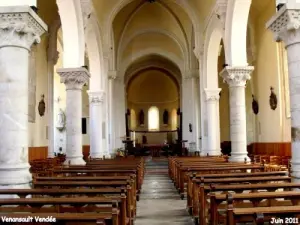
(127, 191)
(160, 202)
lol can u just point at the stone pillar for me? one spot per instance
(112, 120)
(20, 27)
(189, 110)
(52, 57)
(213, 126)
(74, 79)
(96, 101)
(286, 27)
(236, 77)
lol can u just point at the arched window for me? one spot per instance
(132, 119)
(174, 119)
(153, 119)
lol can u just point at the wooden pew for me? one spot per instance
(193, 177)
(199, 197)
(260, 215)
(66, 218)
(81, 205)
(99, 192)
(99, 172)
(184, 172)
(207, 190)
(255, 200)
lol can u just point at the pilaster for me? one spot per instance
(96, 99)
(212, 97)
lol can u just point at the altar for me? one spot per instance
(155, 149)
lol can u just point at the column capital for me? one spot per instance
(285, 22)
(212, 94)
(236, 76)
(20, 26)
(74, 78)
(96, 97)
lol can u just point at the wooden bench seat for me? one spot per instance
(260, 215)
(67, 218)
(75, 192)
(66, 205)
(199, 197)
(248, 200)
(195, 177)
(182, 176)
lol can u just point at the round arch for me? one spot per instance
(121, 4)
(166, 72)
(151, 51)
(182, 46)
(235, 39)
(73, 32)
(212, 42)
(94, 49)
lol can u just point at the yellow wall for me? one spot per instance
(272, 126)
(153, 88)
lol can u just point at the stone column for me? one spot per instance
(20, 27)
(236, 77)
(112, 120)
(189, 92)
(74, 79)
(96, 101)
(286, 27)
(213, 126)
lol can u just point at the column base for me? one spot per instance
(239, 157)
(15, 176)
(74, 161)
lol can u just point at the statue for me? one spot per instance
(60, 124)
(166, 117)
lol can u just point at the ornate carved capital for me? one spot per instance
(20, 26)
(236, 76)
(285, 24)
(212, 94)
(96, 97)
(74, 78)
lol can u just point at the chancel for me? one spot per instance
(150, 111)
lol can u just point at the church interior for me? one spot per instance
(150, 112)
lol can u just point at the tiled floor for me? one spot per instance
(160, 203)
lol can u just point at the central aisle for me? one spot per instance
(160, 203)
